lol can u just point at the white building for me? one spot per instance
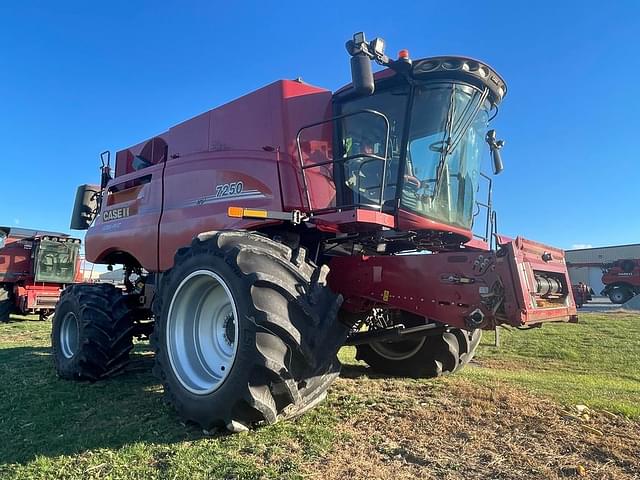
(115, 277)
(585, 264)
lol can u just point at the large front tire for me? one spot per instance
(246, 331)
(91, 334)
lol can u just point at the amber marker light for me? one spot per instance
(249, 212)
(235, 212)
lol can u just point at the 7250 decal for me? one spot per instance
(227, 189)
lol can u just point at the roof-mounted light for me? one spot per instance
(377, 45)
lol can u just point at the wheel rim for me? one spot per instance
(69, 335)
(398, 350)
(202, 332)
(618, 296)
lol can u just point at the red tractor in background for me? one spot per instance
(260, 237)
(582, 294)
(622, 280)
(34, 268)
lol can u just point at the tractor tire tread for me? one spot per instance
(296, 340)
(440, 355)
(106, 337)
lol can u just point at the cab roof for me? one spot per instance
(30, 233)
(449, 67)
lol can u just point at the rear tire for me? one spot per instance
(427, 357)
(619, 295)
(272, 351)
(91, 335)
(6, 305)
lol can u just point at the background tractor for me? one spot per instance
(34, 268)
(263, 235)
(621, 280)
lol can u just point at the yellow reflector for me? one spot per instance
(235, 212)
(248, 212)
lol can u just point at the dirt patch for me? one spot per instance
(453, 429)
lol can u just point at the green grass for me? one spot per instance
(120, 428)
(596, 362)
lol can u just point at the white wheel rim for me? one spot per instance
(202, 332)
(393, 350)
(69, 335)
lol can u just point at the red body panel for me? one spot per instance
(16, 263)
(450, 287)
(37, 297)
(250, 140)
(616, 274)
(410, 221)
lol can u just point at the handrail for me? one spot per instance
(384, 159)
(489, 223)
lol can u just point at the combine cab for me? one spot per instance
(34, 268)
(263, 235)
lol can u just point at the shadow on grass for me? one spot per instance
(25, 318)
(352, 371)
(42, 415)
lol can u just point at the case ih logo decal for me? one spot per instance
(116, 214)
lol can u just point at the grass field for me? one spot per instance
(596, 362)
(509, 415)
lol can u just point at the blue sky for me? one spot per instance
(80, 77)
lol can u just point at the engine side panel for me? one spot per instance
(200, 188)
(239, 154)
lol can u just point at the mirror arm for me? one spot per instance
(105, 169)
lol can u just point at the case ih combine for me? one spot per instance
(621, 280)
(261, 236)
(34, 267)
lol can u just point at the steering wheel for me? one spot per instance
(412, 181)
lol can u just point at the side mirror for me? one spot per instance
(495, 146)
(362, 75)
(85, 207)
(498, 166)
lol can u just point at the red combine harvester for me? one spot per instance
(34, 268)
(622, 280)
(263, 235)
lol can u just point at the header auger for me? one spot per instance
(261, 236)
